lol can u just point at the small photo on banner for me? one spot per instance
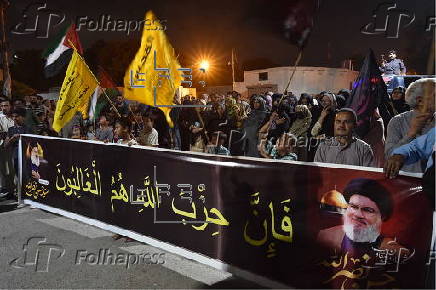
(37, 185)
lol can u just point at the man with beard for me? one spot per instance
(34, 104)
(32, 109)
(369, 205)
(121, 105)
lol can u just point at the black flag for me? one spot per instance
(369, 92)
(298, 23)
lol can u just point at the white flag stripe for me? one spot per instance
(57, 52)
(93, 103)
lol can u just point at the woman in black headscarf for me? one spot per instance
(398, 100)
(256, 118)
(187, 119)
(315, 110)
(324, 126)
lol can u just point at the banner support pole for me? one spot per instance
(20, 171)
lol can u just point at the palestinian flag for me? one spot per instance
(107, 86)
(105, 79)
(59, 53)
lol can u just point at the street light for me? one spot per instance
(204, 65)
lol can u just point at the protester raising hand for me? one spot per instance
(265, 128)
(196, 130)
(325, 112)
(325, 122)
(418, 123)
(280, 121)
(274, 116)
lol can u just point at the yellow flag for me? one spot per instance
(154, 72)
(77, 88)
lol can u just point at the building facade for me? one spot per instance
(311, 80)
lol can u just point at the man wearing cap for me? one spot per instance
(369, 205)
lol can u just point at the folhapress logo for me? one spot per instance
(37, 254)
(389, 20)
(38, 19)
(105, 257)
(106, 23)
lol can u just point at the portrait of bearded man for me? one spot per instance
(369, 204)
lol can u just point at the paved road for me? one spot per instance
(43, 250)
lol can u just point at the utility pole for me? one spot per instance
(233, 71)
(7, 82)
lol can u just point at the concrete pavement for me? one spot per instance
(43, 250)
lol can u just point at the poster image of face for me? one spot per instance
(35, 153)
(361, 255)
(36, 186)
(367, 205)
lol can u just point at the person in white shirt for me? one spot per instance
(6, 171)
(344, 148)
(123, 132)
(5, 116)
(148, 136)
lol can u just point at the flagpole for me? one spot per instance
(233, 72)
(112, 104)
(4, 50)
(134, 117)
(104, 91)
(297, 61)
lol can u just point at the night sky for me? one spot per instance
(250, 27)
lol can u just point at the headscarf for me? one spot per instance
(301, 125)
(268, 100)
(306, 96)
(332, 98)
(260, 100)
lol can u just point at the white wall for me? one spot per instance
(310, 80)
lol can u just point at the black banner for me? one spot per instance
(302, 225)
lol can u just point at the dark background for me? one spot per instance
(213, 28)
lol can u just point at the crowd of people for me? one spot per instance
(311, 128)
